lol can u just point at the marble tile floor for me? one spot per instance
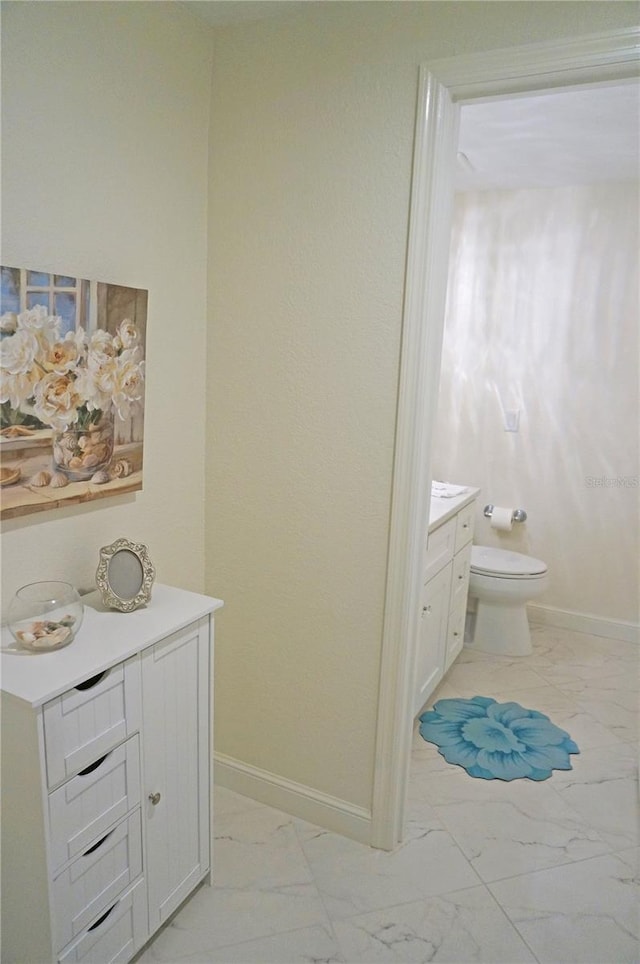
(489, 871)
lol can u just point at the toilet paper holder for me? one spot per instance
(518, 515)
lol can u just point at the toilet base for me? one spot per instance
(500, 629)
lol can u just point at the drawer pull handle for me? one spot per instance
(92, 766)
(103, 918)
(96, 845)
(155, 798)
(92, 681)
(426, 609)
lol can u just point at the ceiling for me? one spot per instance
(578, 136)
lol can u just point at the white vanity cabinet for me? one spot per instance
(106, 780)
(443, 603)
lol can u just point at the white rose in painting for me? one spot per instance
(101, 343)
(38, 319)
(56, 401)
(129, 386)
(127, 333)
(89, 386)
(16, 389)
(18, 352)
(61, 357)
(79, 339)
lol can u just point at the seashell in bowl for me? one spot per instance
(58, 480)
(40, 479)
(100, 477)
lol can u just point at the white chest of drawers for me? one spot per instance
(106, 780)
(446, 568)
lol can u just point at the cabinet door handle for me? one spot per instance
(426, 609)
(155, 798)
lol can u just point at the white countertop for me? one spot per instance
(443, 509)
(106, 637)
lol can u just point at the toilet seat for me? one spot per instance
(503, 564)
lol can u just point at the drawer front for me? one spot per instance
(455, 634)
(460, 577)
(465, 520)
(86, 806)
(114, 937)
(440, 546)
(95, 879)
(90, 719)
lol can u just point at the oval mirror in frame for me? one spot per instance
(125, 575)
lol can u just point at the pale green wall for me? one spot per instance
(313, 121)
(105, 111)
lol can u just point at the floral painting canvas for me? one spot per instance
(72, 375)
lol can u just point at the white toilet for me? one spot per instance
(503, 582)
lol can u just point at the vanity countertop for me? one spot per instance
(443, 509)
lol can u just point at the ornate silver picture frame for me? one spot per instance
(125, 575)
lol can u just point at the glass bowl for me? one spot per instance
(45, 615)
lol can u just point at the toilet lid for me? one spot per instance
(501, 561)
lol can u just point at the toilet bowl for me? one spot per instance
(503, 582)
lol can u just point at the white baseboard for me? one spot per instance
(294, 798)
(584, 623)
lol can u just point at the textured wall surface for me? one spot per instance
(105, 112)
(312, 137)
(543, 317)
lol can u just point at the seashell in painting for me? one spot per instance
(89, 461)
(67, 441)
(58, 480)
(75, 463)
(100, 450)
(40, 479)
(100, 477)
(121, 468)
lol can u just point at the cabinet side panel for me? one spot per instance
(26, 930)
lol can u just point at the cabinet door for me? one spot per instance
(176, 766)
(434, 612)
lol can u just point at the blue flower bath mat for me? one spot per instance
(497, 741)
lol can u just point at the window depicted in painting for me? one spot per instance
(72, 375)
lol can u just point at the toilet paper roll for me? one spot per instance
(502, 518)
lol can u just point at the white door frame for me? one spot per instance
(443, 86)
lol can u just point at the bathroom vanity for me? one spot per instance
(445, 586)
(106, 779)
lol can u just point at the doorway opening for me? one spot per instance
(444, 87)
